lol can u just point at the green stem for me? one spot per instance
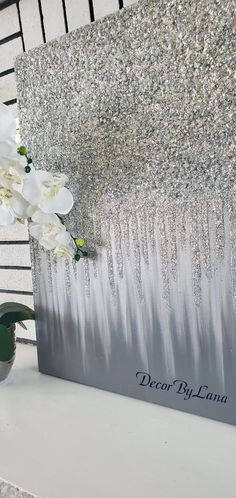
(74, 240)
(61, 219)
(78, 249)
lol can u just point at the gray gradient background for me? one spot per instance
(93, 104)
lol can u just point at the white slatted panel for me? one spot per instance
(28, 301)
(53, 18)
(14, 111)
(30, 332)
(16, 280)
(7, 87)
(77, 13)
(14, 255)
(31, 24)
(8, 53)
(9, 22)
(104, 7)
(129, 2)
(26, 334)
(14, 232)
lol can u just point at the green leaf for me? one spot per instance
(7, 344)
(15, 312)
(22, 325)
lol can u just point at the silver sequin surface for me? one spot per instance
(137, 109)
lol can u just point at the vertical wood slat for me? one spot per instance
(77, 13)
(65, 15)
(53, 17)
(20, 24)
(8, 53)
(104, 7)
(129, 2)
(9, 22)
(7, 87)
(31, 25)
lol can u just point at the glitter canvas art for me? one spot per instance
(137, 109)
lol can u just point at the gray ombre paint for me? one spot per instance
(136, 110)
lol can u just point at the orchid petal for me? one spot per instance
(6, 216)
(64, 239)
(61, 203)
(19, 206)
(41, 217)
(31, 189)
(7, 124)
(31, 210)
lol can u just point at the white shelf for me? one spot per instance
(59, 439)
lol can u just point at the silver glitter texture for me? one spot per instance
(139, 114)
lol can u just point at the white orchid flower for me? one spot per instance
(12, 165)
(12, 207)
(51, 233)
(65, 246)
(12, 172)
(45, 228)
(47, 191)
(31, 211)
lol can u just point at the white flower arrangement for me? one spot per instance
(37, 196)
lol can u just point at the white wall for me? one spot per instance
(25, 25)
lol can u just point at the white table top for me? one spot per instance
(59, 439)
